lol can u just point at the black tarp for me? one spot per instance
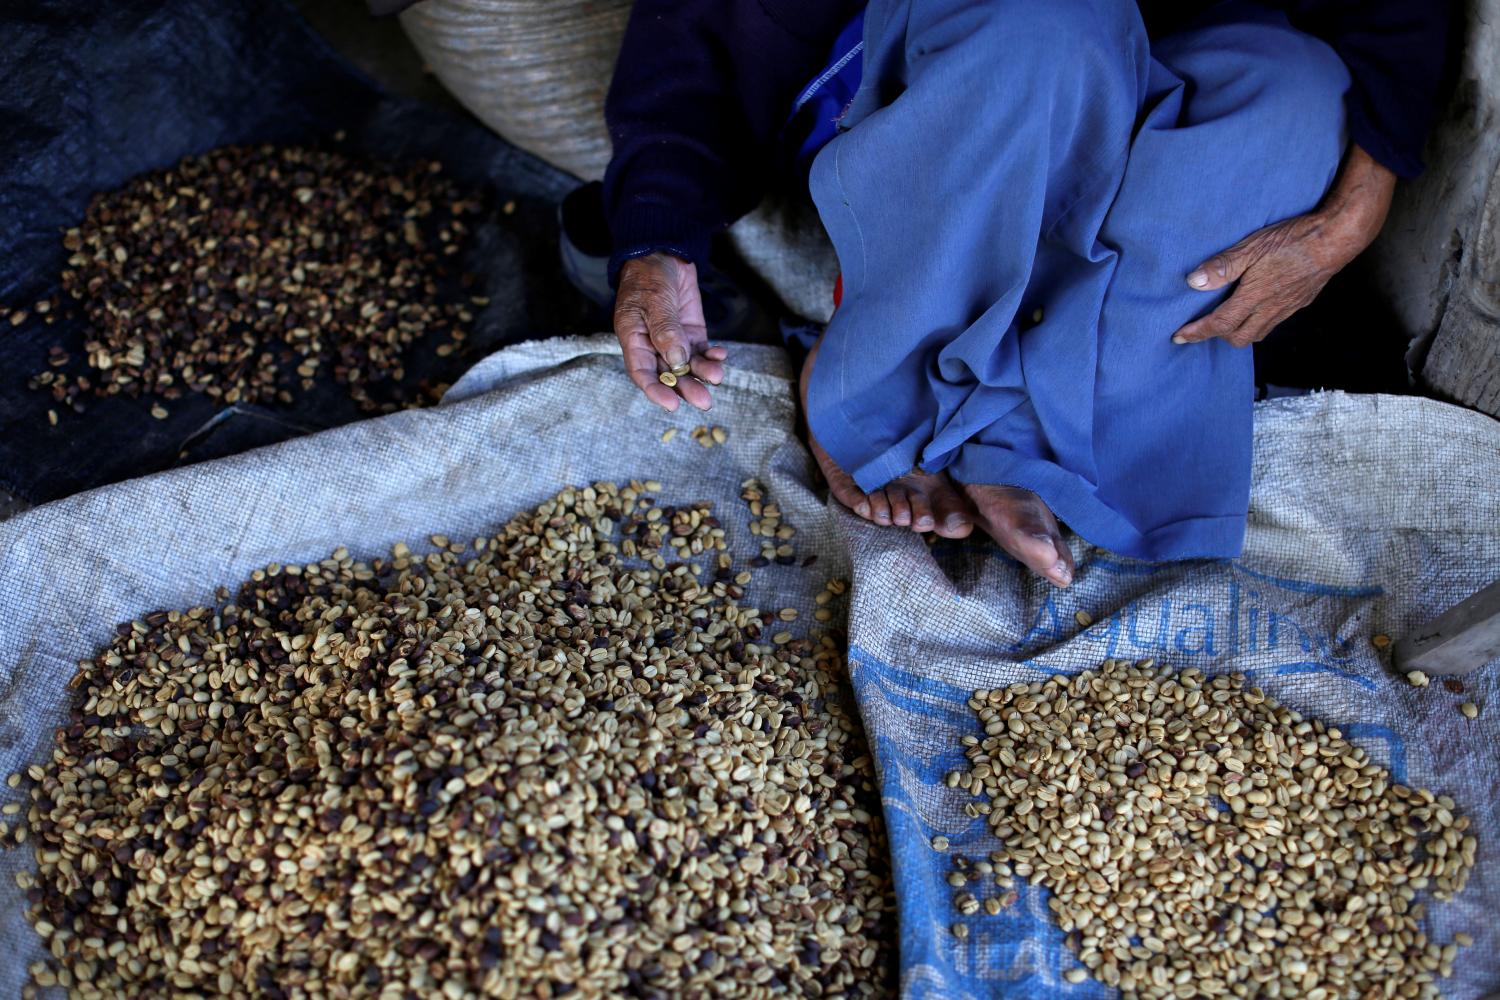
(93, 93)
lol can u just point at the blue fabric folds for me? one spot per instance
(819, 108)
(1019, 196)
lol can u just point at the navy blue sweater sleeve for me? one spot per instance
(1395, 53)
(700, 92)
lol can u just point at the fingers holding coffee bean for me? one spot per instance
(659, 321)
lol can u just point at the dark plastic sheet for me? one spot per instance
(93, 93)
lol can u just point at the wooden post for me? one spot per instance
(1460, 641)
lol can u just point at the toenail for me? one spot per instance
(863, 510)
(1062, 572)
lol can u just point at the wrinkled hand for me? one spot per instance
(1283, 267)
(659, 320)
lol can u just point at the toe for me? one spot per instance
(843, 488)
(900, 501)
(1039, 537)
(1039, 553)
(952, 514)
(956, 526)
(921, 512)
(1061, 571)
(850, 495)
(1023, 525)
(880, 507)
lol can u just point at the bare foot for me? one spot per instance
(928, 501)
(919, 500)
(1023, 526)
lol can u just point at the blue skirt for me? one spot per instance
(1016, 193)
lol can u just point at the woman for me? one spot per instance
(1058, 224)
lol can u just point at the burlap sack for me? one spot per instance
(519, 426)
(534, 72)
(537, 74)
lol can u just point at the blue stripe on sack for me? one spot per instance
(1313, 667)
(1305, 587)
(1123, 568)
(918, 685)
(886, 677)
(1120, 567)
(1019, 951)
(1394, 744)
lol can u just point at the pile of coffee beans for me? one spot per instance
(565, 760)
(1202, 840)
(248, 272)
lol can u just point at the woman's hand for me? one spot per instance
(1283, 267)
(659, 320)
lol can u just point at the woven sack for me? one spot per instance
(534, 72)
